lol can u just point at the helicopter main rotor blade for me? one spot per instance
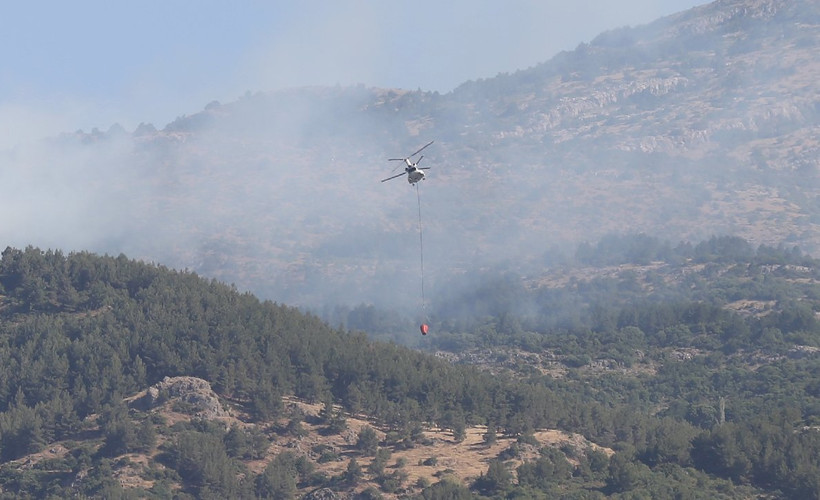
(424, 168)
(420, 150)
(397, 166)
(397, 175)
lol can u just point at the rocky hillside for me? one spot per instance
(305, 454)
(179, 404)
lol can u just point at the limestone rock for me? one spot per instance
(190, 390)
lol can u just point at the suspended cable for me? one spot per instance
(421, 248)
(421, 253)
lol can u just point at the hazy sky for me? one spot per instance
(85, 64)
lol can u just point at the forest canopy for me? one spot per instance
(79, 332)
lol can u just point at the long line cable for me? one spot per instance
(421, 253)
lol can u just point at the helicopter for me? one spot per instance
(412, 169)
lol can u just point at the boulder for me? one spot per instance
(190, 390)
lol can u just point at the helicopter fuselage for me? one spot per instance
(412, 170)
(414, 174)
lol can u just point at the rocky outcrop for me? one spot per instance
(195, 393)
(324, 494)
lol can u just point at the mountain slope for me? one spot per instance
(700, 123)
(79, 333)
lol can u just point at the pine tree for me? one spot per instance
(353, 474)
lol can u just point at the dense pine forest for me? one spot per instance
(695, 398)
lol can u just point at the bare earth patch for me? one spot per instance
(434, 456)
